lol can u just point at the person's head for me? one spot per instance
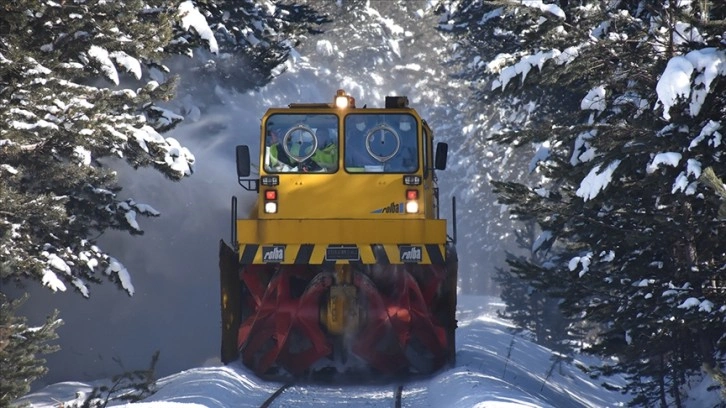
(323, 136)
(273, 136)
(405, 123)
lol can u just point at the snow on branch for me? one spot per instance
(689, 77)
(683, 181)
(709, 131)
(130, 208)
(583, 150)
(584, 260)
(594, 182)
(594, 100)
(50, 279)
(541, 155)
(668, 158)
(123, 275)
(176, 157)
(691, 302)
(526, 63)
(548, 8)
(544, 238)
(131, 64)
(192, 18)
(101, 56)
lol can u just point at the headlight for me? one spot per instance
(412, 207)
(270, 207)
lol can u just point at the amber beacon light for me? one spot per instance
(343, 101)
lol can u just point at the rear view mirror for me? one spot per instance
(442, 151)
(243, 161)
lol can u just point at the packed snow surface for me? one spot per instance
(495, 368)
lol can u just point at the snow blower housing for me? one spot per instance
(344, 261)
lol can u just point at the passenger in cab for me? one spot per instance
(326, 155)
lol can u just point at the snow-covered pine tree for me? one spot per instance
(62, 114)
(64, 111)
(20, 349)
(254, 39)
(636, 242)
(489, 36)
(528, 306)
(80, 84)
(480, 47)
(369, 43)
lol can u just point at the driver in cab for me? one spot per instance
(323, 159)
(275, 156)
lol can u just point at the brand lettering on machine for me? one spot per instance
(273, 253)
(392, 208)
(411, 253)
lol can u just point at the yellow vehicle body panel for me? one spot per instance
(307, 241)
(359, 209)
(343, 195)
(341, 231)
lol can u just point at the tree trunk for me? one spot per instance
(661, 384)
(706, 346)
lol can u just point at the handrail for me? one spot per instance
(234, 243)
(453, 210)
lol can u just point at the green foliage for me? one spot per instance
(81, 83)
(60, 130)
(639, 259)
(254, 38)
(20, 349)
(528, 305)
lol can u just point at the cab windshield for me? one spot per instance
(301, 143)
(376, 143)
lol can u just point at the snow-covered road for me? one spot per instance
(494, 369)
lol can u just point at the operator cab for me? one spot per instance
(393, 140)
(383, 157)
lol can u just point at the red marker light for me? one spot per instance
(411, 194)
(271, 195)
